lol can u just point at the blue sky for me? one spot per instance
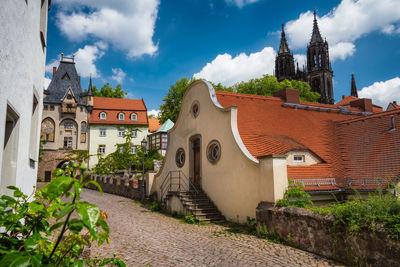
(147, 45)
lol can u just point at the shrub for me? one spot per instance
(190, 219)
(155, 206)
(29, 223)
(295, 196)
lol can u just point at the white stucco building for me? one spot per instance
(110, 120)
(22, 60)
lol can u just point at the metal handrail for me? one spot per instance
(183, 182)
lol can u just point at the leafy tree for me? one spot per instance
(173, 99)
(108, 91)
(267, 85)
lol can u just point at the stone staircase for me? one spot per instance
(200, 205)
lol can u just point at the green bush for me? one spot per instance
(190, 219)
(360, 214)
(29, 223)
(155, 206)
(295, 196)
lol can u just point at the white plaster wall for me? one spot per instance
(235, 183)
(111, 139)
(22, 62)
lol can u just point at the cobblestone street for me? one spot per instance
(142, 237)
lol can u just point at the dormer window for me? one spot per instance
(133, 116)
(69, 97)
(298, 158)
(121, 116)
(103, 116)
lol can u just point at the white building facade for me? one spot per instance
(23, 44)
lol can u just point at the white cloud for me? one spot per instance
(118, 75)
(229, 70)
(85, 60)
(345, 23)
(240, 3)
(382, 93)
(341, 50)
(46, 82)
(126, 24)
(153, 112)
(301, 60)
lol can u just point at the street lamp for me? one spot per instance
(144, 146)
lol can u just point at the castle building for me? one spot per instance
(65, 117)
(318, 73)
(23, 45)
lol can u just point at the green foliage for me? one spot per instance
(173, 99)
(360, 214)
(190, 219)
(267, 86)
(125, 160)
(108, 91)
(155, 206)
(28, 223)
(295, 196)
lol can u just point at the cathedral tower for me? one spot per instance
(319, 72)
(353, 86)
(284, 62)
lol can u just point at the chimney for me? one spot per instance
(395, 103)
(364, 103)
(289, 95)
(54, 71)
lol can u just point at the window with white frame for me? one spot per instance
(298, 158)
(121, 132)
(102, 149)
(121, 149)
(133, 149)
(103, 116)
(102, 132)
(134, 132)
(133, 116)
(121, 116)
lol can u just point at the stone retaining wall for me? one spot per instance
(122, 184)
(315, 233)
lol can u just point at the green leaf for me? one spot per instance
(75, 225)
(65, 211)
(58, 172)
(55, 226)
(78, 263)
(102, 237)
(8, 198)
(104, 225)
(59, 186)
(15, 259)
(95, 184)
(36, 207)
(32, 242)
(17, 193)
(89, 214)
(78, 190)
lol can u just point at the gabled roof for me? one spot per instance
(166, 126)
(59, 86)
(113, 106)
(154, 125)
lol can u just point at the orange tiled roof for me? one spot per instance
(154, 125)
(268, 126)
(114, 106)
(345, 102)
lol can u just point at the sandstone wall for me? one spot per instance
(316, 233)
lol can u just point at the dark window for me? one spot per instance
(213, 151)
(45, 107)
(69, 97)
(68, 124)
(180, 157)
(67, 142)
(47, 176)
(51, 107)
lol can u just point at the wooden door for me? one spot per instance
(196, 163)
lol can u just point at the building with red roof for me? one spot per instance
(110, 120)
(242, 149)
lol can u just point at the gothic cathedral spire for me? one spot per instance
(319, 72)
(284, 62)
(353, 86)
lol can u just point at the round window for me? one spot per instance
(180, 157)
(213, 151)
(195, 108)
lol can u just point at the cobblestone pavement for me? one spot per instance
(141, 237)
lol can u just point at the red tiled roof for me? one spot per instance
(154, 125)
(345, 102)
(269, 126)
(113, 106)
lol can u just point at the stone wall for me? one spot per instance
(122, 184)
(315, 233)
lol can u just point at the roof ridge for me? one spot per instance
(248, 95)
(371, 116)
